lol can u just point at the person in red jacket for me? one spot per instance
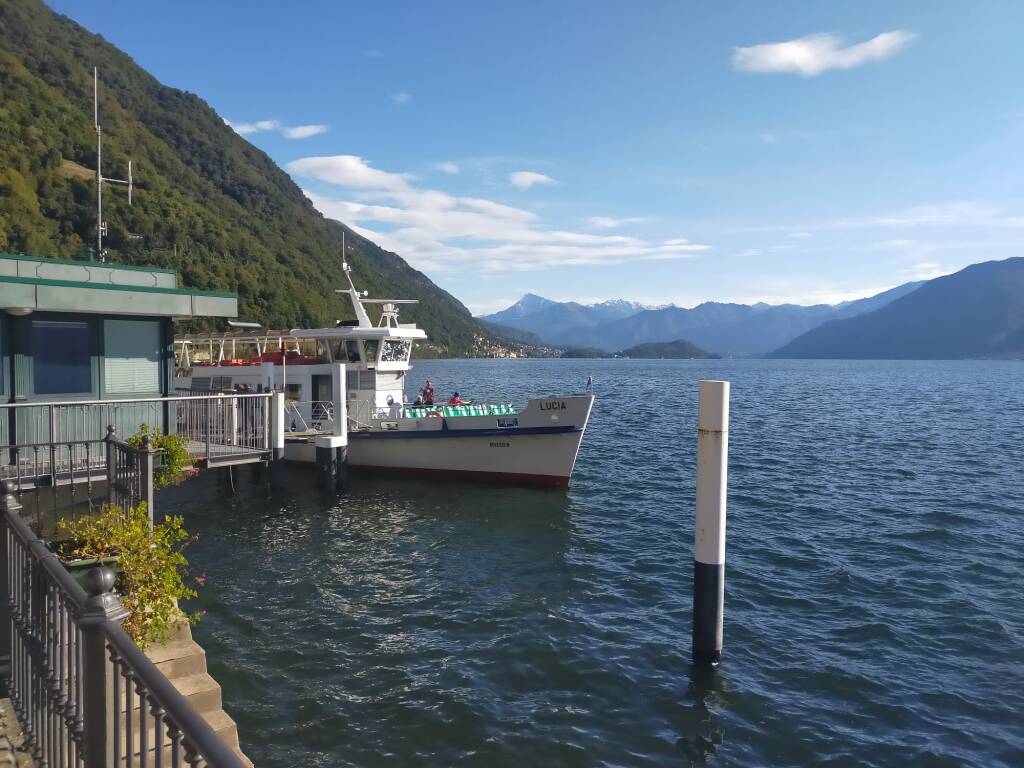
(427, 393)
(455, 399)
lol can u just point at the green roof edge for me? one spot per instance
(85, 262)
(112, 287)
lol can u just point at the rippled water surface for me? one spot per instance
(874, 607)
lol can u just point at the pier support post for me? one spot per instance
(331, 450)
(340, 405)
(330, 461)
(709, 522)
(275, 466)
(277, 425)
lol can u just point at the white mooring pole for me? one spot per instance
(709, 521)
(277, 426)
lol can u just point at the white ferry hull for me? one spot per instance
(537, 446)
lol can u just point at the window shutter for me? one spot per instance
(131, 360)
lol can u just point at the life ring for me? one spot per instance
(434, 415)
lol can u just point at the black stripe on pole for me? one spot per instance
(708, 605)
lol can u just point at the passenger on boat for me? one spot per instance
(394, 409)
(418, 401)
(428, 393)
(455, 399)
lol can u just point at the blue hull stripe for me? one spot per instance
(438, 433)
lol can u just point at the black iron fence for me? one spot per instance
(83, 692)
(129, 472)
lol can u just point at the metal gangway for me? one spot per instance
(50, 444)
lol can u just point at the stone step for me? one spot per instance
(219, 721)
(183, 662)
(178, 658)
(201, 691)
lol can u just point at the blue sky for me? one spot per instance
(659, 151)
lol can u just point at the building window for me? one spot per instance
(61, 357)
(131, 357)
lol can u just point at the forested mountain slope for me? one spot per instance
(209, 204)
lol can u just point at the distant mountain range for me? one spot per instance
(727, 329)
(541, 316)
(976, 312)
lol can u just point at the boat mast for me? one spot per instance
(357, 304)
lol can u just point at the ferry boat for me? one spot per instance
(532, 444)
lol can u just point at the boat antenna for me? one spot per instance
(101, 225)
(355, 295)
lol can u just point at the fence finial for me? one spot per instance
(103, 603)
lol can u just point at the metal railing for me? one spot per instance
(222, 426)
(83, 692)
(129, 472)
(309, 416)
(62, 443)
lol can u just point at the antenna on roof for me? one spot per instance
(101, 225)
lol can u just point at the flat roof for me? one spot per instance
(85, 263)
(114, 287)
(34, 283)
(36, 294)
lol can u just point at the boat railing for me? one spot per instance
(468, 409)
(309, 416)
(83, 692)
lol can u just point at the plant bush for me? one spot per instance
(175, 461)
(153, 565)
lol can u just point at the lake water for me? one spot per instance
(874, 607)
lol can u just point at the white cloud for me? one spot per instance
(965, 213)
(289, 132)
(607, 222)
(436, 230)
(812, 55)
(450, 168)
(349, 171)
(527, 179)
(800, 235)
(303, 131)
(245, 129)
(401, 98)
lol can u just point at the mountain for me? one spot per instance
(548, 319)
(680, 349)
(976, 312)
(508, 332)
(730, 329)
(209, 204)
